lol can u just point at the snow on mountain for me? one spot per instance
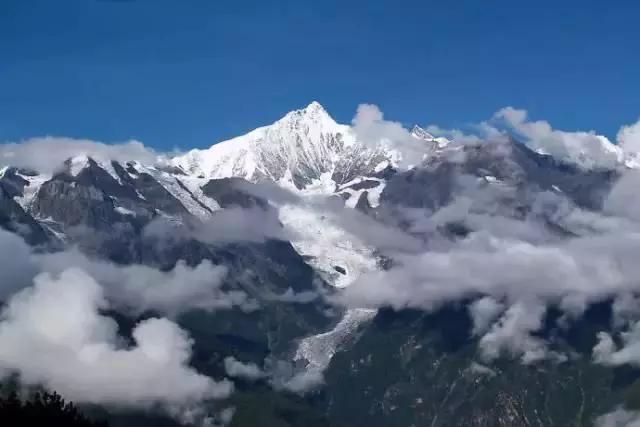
(302, 146)
(337, 255)
(420, 133)
(186, 188)
(30, 190)
(76, 164)
(305, 142)
(318, 350)
(308, 152)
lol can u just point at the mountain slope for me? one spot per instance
(299, 148)
(383, 367)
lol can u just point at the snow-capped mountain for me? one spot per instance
(306, 151)
(304, 146)
(105, 208)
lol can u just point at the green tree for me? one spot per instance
(42, 409)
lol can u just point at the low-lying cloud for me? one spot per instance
(246, 371)
(139, 288)
(512, 269)
(47, 154)
(588, 148)
(230, 225)
(54, 334)
(16, 264)
(371, 128)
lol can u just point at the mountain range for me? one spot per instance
(350, 294)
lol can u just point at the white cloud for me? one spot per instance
(16, 264)
(483, 313)
(607, 352)
(510, 261)
(281, 375)
(619, 417)
(477, 133)
(53, 334)
(623, 200)
(133, 288)
(512, 333)
(371, 128)
(626, 307)
(587, 149)
(478, 369)
(138, 288)
(604, 348)
(595, 266)
(224, 226)
(47, 154)
(236, 369)
(629, 137)
(304, 382)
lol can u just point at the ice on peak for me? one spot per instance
(314, 108)
(313, 114)
(77, 163)
(421, 133)
(306, 143)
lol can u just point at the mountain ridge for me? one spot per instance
(325, 233)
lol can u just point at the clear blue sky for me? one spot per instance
(188, 73)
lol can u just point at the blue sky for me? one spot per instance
(185, 74)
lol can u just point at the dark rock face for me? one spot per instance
(436, 183)
(148, 189)
(363, 203)
(356, 163)
(87, 200)
(75, 205)
(13, 218)
(365, 184)
(405, 367)
(228, 192)
(106, 217)
(412, 368)
(339, 269)
(12, 183)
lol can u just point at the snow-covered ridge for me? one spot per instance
(420, 133)
(301, 146)
(304, 142)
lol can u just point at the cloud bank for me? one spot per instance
(371, 128)
(47, 154)
(54, 334)
(53, 331)
(586, 148)
(513, 269)
(139, 288)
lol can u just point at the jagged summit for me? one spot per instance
(300, 147)
(314, 109)
(421, 133)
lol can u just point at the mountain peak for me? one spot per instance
(77, 163)
(421, 133)
(314, 107)
(314, 112)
